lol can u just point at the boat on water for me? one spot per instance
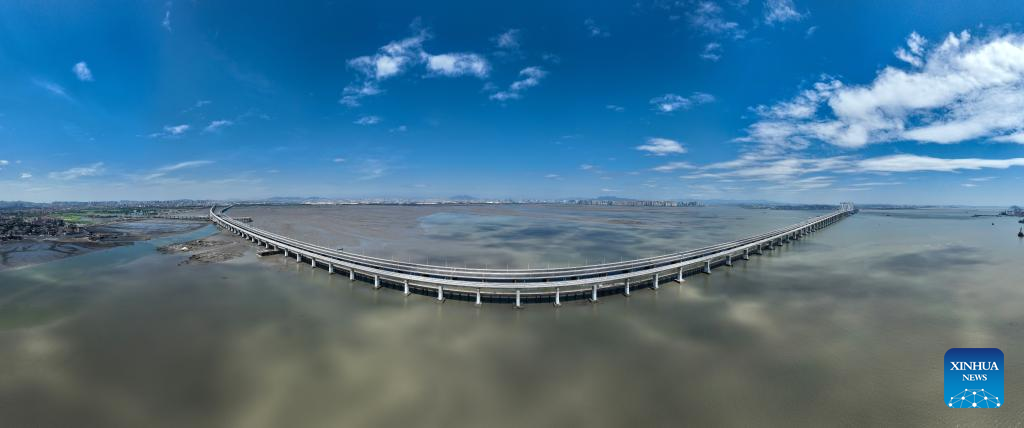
(1021, 221)
(1020, 233)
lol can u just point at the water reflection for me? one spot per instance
(829, 330)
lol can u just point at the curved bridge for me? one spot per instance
(521, 286)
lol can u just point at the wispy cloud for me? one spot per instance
(669, 103)
(707, 17)
(673, 166)
(166, 22)
(53, 88)
(338, 160)
(400, 56)
(594, 30)
(615, 108)
(458, 64)
(780, 11)
(960, 90)
(712, 51)
(217, 125)
(529, 77)
(553, 177)
(367, 120)
(82, 71)
(508, 40)
(184, 165)
(78, 172)
(661, 147)
(25, 176)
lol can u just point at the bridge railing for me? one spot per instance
(527, 279)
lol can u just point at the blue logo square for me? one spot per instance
(974, 378)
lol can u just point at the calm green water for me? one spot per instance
(847, 327)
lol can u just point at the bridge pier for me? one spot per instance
(707, 267)
(746, 254)
(655, 285)
(440, 293)
(312, 262)
(286, 253)
(330, 269)
(626, 290)
(679, 276)
(298, 258)
(376, 282)
(593, 294)
(728, 260)
(405, 285)
(558, 297)
(478, 300)
(352, 274)
(519, 305)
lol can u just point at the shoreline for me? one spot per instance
(26, 253)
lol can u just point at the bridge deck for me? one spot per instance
(527, 285)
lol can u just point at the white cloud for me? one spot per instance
(780, 11)
(615, 108)
(176, 129)
(712, 52)
(586, 167)
(398, 57)
(661, 147)
(669, 103)
(964, 89)
(217, 125)
(4, 162)
(367, 120)
(81, 70)
(529, 77)
(707, 17)
(338, 160)
(969, 185)
(458, 64)
(53, 88)
(78, 172)
(1012, 138)
(25, 176)
(553, 177)
(162, 171)
(908, 163)
(508, 39)
(594, 30)
(673, 166)
(166, 22)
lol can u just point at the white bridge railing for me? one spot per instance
(542, 284)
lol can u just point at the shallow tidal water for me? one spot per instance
(848, 326)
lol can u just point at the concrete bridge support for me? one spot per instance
(558, 297)
(519, 304)
(593, 294)
(728, 260)
(330, 269)
(654, 285)
(707, 267)
(352, 274)
(679, 276)
(746, 254)
(625, 291)
(376, 282)
(440, 293)
(405, 286)
(478, 300)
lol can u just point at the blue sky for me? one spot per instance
(898, 102)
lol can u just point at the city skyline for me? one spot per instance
(799, 102)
